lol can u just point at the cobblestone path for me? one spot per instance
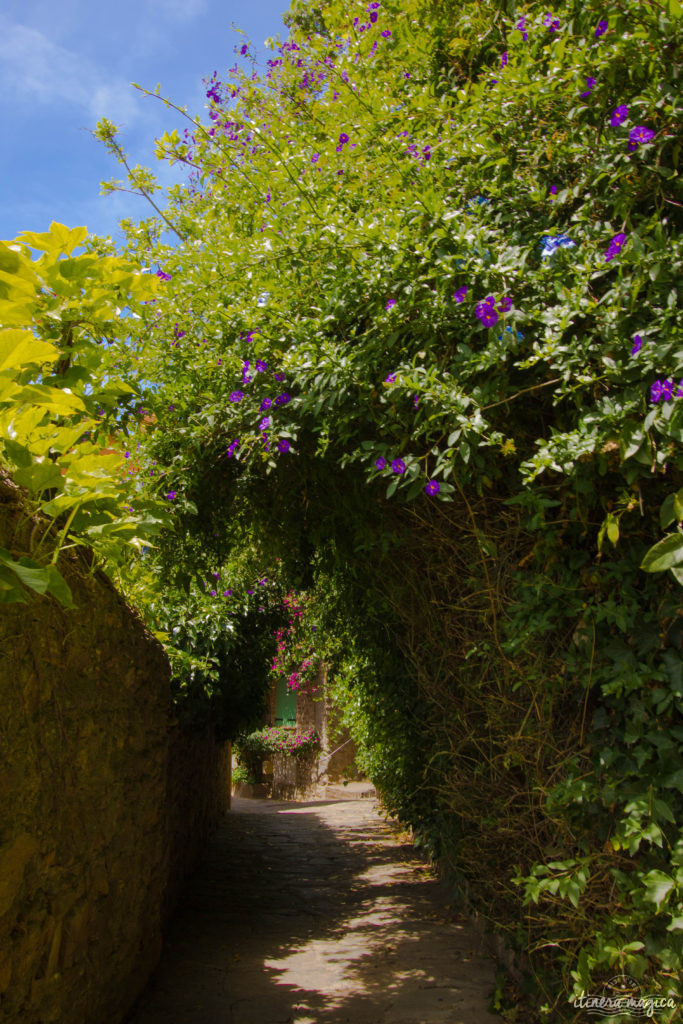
(315, 913)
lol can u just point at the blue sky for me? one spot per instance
(66, 63)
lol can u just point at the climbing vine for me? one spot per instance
(415, 333)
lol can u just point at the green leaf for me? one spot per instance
(666, 513)
(21, 348)
(30, 573)
(57, 240)
(678, 505)
(59, 400)
(59, 588)
(674, 780)
(658, 886)
(39, 476)
(19, 454)
(664, 555)
(10, 593)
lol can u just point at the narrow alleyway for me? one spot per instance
(315, 913)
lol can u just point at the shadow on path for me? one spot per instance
(315, 913)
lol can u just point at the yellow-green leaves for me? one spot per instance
(57, 241)
(57, 381)
(22, 348)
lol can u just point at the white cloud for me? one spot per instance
(34, 68)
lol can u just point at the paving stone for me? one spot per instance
(315, 913)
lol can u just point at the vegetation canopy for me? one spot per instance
(413, 363)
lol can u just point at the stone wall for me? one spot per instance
(99, 807)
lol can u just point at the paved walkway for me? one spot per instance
(316, 913)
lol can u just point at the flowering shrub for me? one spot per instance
(255, 747)
(452, 291)
(296, 657)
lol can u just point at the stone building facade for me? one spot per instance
(302, 777)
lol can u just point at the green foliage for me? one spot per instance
(60, 395)
(506, 650)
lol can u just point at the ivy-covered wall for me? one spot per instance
(96, 821)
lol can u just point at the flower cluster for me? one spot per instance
(663, 390)
(486, 309)
(295, 656)
(639, 134)
(277, 740)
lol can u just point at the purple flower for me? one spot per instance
(432, 487)
(667, 390)
(261, 367)
(283, 399)
(601, 29)
(615, 246)
(279, 376)
(391, 379)
(265, 423)
(486, 312)
(163, 276)
(639, 134)
(283, 445)
(213, 593)
(343, 139)
(386, 33)
(656, 391)
(265, 404)
(521, 26)
(590, 82)
(390, 303)
(244, 49)
(553, 190)
(505, 304)
(231, 450)
(380, 462)
(488, 317)
(459, 296)
(415, 401)
(398, 466)
(171, 495)
(550, 22)
(315, 158)
(637, 344)
(504, 59)
(236, 396)
(226, 593)
(619, 114)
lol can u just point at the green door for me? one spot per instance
(285, 707)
